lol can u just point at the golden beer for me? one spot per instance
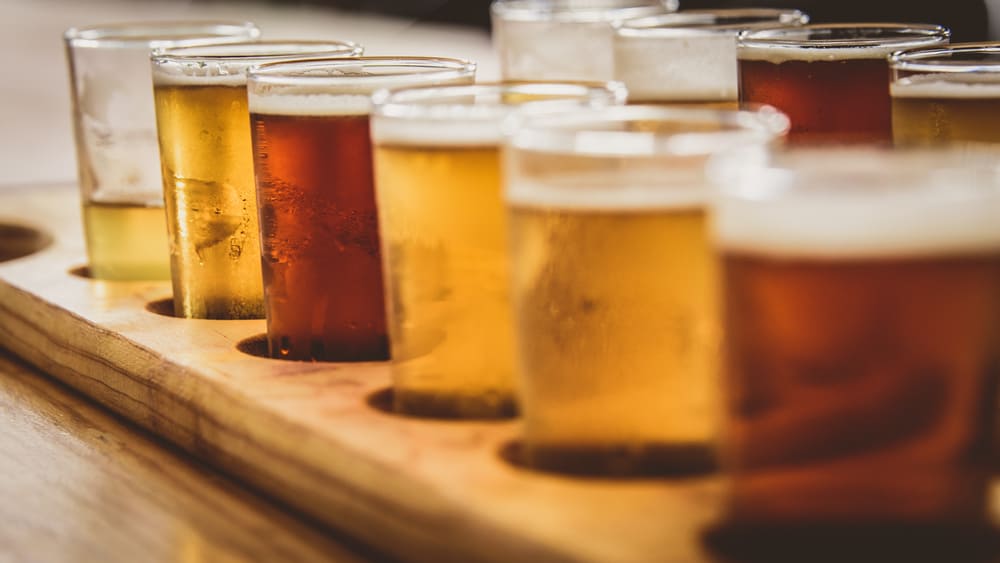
(613, 284)
(617, 335)
(945, 111)
(438, 182)
(211, 208)
(203, 125)
(126, 241)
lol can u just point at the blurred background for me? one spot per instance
(37, 145)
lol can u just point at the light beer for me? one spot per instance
(614, 286)
(831, 80)
(947, 95)
(126, 241)
(438, 179)
(688, 57)
(862, 351)
(321, 255)
(203, 126)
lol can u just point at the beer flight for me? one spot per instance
(656, 287)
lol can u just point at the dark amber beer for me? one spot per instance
(321, 259)
(862, 346)
(688, 57)
(946, 95)
(831, 80)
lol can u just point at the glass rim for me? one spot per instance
(941, 60)
(437, 102)
(898, 35)
(296, 71)
(157, 34)
(579, 133)
(565, 12)
(255, 51)
(707, 21)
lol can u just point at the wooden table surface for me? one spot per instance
(78, 484)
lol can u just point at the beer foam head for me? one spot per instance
(947, 86)
(344, 86)
(857, 204)
(835, 42)
(689, 65)
(614, 191)
(227, 64)
(464, 115)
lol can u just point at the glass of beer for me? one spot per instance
(831, 79)
(862, 348)
(208, 179)
(688, 57)
(613, 284)
(319, 227)
(946, 95)
(437, 177)
(562, 39)
(115, 128)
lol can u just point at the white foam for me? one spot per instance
(784, 53)
(309, 104)
(861, 214)
(678, 190)
(433, 133)
(946, 86)
(213, 74)
(685, 67)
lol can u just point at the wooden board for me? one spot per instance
(306, 434)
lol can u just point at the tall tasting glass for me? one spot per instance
(204, 132)
(319, 227)
(862, 345)
(115, 127)
(688, 57)
(562, 39)
(831, 80)
(437, 177)
(613, 284)
(946, 95)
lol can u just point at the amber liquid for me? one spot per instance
(126, 241)
(827, 101)
(446, 261)
(861, 394)
(616, 334)
(320, 239)
(917, 121)
(208, 185)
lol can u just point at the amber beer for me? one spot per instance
(438, 178)
(831, 80)
(320, 246)
(613, 285)
(204, 136)
(688, 57)
(946, 95)
(862, 353)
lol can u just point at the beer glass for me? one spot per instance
(862, 348)
(437, 178)
(562, 39)
(613, 284)
(688, 57)
(115, 129)
(319, 228)
(831, 80)
(946, 95)
(204, 133)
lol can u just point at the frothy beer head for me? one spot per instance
(963, 71)
(227, 65)
(626, 158)
(836, 42)
(859, 204)
(688, 56)
(344, 86)
(474, 115)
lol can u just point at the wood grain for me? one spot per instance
(78, 485)
(306, 434)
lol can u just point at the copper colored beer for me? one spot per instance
(862, 348)
(321, 258)
(831, 80)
